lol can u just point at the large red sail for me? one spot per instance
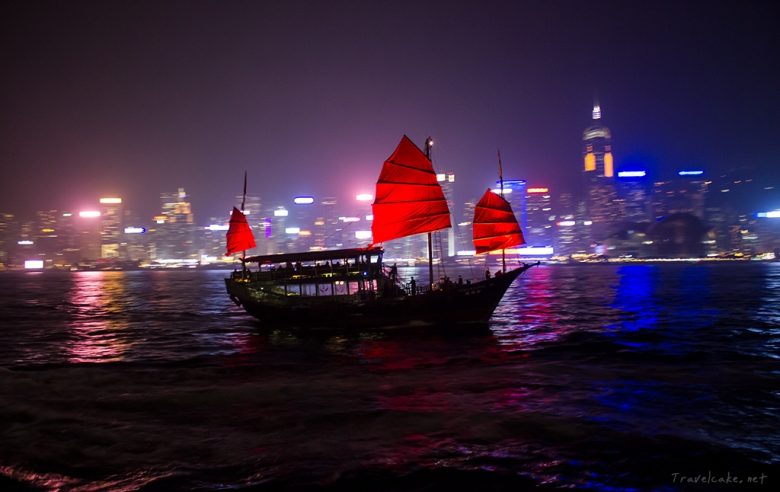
(495, 225)
(408, 198)
(239, 235)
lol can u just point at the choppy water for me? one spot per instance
(591, 377)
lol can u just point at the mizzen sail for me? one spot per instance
(239, 235)
(495, 225)
(408, 199)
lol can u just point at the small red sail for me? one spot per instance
(495, 225)
(408, 198)
(239, 235)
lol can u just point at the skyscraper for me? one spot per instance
(540, 219)
(111, 214)
(175, 227)
(599, 172)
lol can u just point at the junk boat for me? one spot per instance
(352, 288)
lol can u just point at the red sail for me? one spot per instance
(408, 199)
(239, 235)
(495, 225)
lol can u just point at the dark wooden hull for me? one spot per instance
(455, 305)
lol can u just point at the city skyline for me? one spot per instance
(131, 100)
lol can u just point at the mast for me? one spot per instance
(243, 201)
(428, 145)
(501, 184)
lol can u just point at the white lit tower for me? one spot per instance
(175, 227)
(111, 228)
(599, 174)
(447, 181)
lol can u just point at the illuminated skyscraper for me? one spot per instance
(174, 233)
(634, 195)
(540, 218)
(111, 228)
(684, 194)
(599, 172)
(447, 181)
(514, 193)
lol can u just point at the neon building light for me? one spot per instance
(303, 200)
(538, 190)
(691, 173)
(89, 214)
(110, 200)
(632, 174)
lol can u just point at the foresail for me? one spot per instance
(239, 235)
(495, 225)
(408, 199)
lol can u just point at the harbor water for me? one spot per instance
(603, 377)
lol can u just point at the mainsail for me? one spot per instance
(239, 235)
(409, 199)
(495, 225)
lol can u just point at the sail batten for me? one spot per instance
(408, 199)
(495, 225)
(239, 234)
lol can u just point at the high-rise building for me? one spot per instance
(634, 195)
(686, 193)
(599, 173)
(174, 232)
(540, 218)
(111, 227)
(447, 181)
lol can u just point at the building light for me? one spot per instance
(498, 191)
(774, 214)
(364, 197)
(218, 227)
(303, 200)
(25, 242)
(349, 219)
(538, 190)
(292, 230)
(587, 222)
(89, 214)
(566, 223)
(362, 234)
(370, 217)
(441, 177)
(67, 214)
(135, 230)
(281, 212)
(632, 174)
(107, 201)
(304, 233)
(691, 173)
(33, 264)
(47, 230)
(319, 222)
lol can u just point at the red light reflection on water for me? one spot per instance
(96, 325)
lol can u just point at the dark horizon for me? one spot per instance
(138, 98)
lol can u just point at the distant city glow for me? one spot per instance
(632, 174)
(89, 214)
(364, 197)
(135, 230)
(774, 214)
(25, 242)
(362, 234)
(292, 230)
(538, 190)
(110, 200)
(690, 173)
(33, 264)
(281, 212)
(218, 227)
(303, 200)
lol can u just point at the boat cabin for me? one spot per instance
(317, 273)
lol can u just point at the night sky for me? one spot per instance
(136, 98)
